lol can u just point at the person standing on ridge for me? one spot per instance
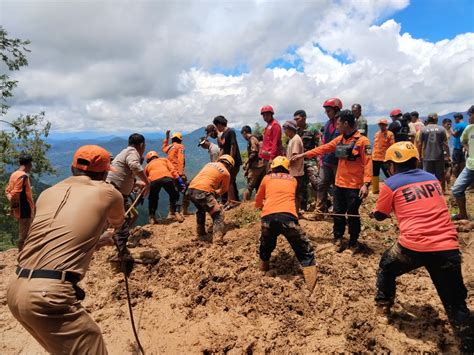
(162, 174)
(448, 166)
(254, 168)
(327, 169)
(427, 238)
(296, 168)
(362, 125)
(415, 125)
(459, 160)
(176, 155)
(272, 145)
(276, 198)
(211, 148)
(128, 172)
(311, 138)
(382, 141)
(18, 192)
(66, 230)
(353, 176)
(229, 146)
(213, 180)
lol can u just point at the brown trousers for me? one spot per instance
(24, 225)
(50, 312)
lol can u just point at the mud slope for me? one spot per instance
(207, 298)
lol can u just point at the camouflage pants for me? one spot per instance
(310, 178)
(206, 202)
(282, 223)
(254, 178)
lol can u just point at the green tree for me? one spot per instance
(25, 134)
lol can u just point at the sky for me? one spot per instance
(147, 66)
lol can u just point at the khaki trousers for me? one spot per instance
(23, 229)
(51, 313)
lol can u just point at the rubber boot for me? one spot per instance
(309, 273)
(170, 213)
(264, 265)
(461, 202)
(179, 217)
(375, 184)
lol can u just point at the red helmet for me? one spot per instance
(395, 112)
(334, 102)
(267, 108)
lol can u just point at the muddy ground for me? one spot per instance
(208, 298)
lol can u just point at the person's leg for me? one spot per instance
(268, 238)
(375, 175)
(325, 174)
(445, 270)
(298, 241)
(463, 181)
(174, 195)
(340, 207)
(300, 191)
(395, 262)
(311, 173)
(234, 184)
(439, 173)
(198, 199)
(23, 229)
(122, 234)
(353, 204)
(153, 197)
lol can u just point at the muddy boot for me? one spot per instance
(152, 220)
(309, 273)
(338, 245)
(179, 217)
(264, 265)
(201, 232)
(218, 237)
(170, 214)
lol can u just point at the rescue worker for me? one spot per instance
(311, 138)
(276, 198)
(328, 162)
(458, 158)
(466, 178)
(295, 147)
(211, 148)
(271, 145)
(253, 168)
(353, 176)
(382, 141)
(362, 124)
(399, 126)
(128, 172)
(162, 174)
(67, 228)
(20, 198)
(427, 238)
(213, 180)
(434, 146)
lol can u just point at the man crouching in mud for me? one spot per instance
(427, 238)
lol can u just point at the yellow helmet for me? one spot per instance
(280, 161)
(227, 159)
(401, 152)
(177, 135)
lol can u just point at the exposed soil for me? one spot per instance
(209, 298)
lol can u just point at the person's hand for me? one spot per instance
(363, 192)
(168, 133)
(143, 186)
(106, 239)
(297, 157)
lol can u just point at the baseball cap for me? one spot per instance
(92, 158)
(290, 124)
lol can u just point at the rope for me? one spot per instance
(339, 214)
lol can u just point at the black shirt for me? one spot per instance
(230, 138)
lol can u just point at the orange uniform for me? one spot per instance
(354, 170)
(159, 168)
(175, 153)
(382, 141)
(277, 194)
(213, 178)
(19, 190)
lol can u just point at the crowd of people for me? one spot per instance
(287, 166)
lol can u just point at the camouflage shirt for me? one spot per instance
(311, 138)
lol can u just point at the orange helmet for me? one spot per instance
(334, 102)
(401, 152)
(150, 155)
(383, 121)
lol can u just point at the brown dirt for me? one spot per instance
(208, 298)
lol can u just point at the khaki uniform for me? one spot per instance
(69, 220)
(254, 168)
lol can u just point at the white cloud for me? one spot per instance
(143, 66)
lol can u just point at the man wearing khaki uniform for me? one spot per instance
(71, 215)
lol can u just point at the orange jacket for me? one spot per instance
(213, 178)
(276, 194)
(18, 180)
(159, 168)
(351, 174)
(175, 153)
(382, 141)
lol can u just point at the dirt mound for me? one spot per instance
(208, 298)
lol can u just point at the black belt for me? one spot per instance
(48, 274)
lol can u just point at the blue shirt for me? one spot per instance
(329, 134)
(458, 128)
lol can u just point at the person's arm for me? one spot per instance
(224, 184)
(446, 147)
(233, 144)
(275, 138)
(260, 196)
(164, 146)
(172, 169)
(323, 149)
(133, 161)
(116, 211)
(253, 150)
(366, 157)
(181, 160)
(14, 194)
(383, 206)
(465, 134)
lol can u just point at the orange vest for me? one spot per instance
(175, 153)
(276, 194)
(159, 168)
(213, 178)
(382, 141)
(19, 180)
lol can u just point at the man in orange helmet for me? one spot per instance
(162, 174)
(383, 140)
(213, 180)
(176, 155)
(353, 176)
